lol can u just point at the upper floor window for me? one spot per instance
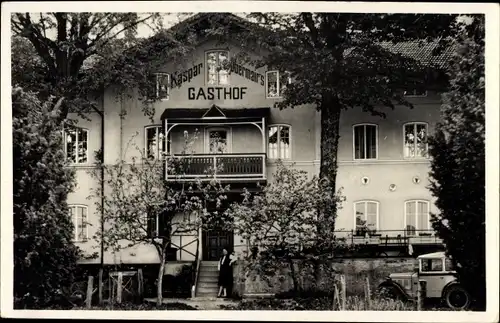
(76, 145)
(217, 62)
(415, 90)
(415, 140)
(78, 214)
(416, 217)
(365, 141)
(366, 216)
(276, 83)
(279, 142)
(155, 142)
(160, 86)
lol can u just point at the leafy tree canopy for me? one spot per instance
(458, 165)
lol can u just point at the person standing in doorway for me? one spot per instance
(225, 267)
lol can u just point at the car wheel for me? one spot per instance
(457, 298)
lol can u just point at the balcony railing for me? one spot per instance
(222, 166)
(390, 237)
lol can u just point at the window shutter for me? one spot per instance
(151, 86)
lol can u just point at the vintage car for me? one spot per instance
(437, 279)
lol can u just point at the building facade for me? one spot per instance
(383, 162)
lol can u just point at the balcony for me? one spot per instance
(225, 167)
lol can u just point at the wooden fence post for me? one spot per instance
(140, 288)
(100, 286)
(419, 296)
(90, 289)
(368, 294)
(119, 288)
(343, 291)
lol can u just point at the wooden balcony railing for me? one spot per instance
(229, 166)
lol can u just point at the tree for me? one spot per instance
(339, 61)
(280, 222)
(458, 165)
(78, 55)
(141, 208)
(44, 253)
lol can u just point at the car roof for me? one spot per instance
(433, 255)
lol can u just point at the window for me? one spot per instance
(429, 265)
(156, 226)
(279, 142)
(155, 142)
(276, 83)
(415, 90)
(217, 141)
(78, 214)
(75, 145)
(415, 140)
(448, 265)
(160, 86)
(366, 216)
(217, 67)
(365, 141)
(416, 216)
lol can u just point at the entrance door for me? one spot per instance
(214, 241)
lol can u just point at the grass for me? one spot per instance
(325, 303)
(139, 307)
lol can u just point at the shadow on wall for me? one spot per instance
(355, 271)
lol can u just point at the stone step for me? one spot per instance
(210, 274)
(203, 289)
(208, 279)
(209, 295)
(212, 269)
(208, 284)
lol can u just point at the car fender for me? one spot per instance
(445, 288)
(397, 286)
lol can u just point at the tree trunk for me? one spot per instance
(330, 125)
(294, 275)
(159, 285)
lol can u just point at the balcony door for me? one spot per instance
(218, 141)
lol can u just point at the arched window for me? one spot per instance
(417, 217)
(79, 216)
(366, 216)
(279, 142)
(365, 141)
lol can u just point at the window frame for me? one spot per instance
(157, 85)
(415, 123)
(279, 142)
(428, 222)
(74, 220)
(279, 86)
(354, 126)
(165, 146)
(207, 68)
(65, 137)
(229, 139)
(377, 203)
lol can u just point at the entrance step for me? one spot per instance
(208, 277)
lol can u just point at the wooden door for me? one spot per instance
(214, 241)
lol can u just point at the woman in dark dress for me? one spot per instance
(225, 273)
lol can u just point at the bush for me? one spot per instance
(44, 253)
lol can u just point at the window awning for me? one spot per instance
(214, 114)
